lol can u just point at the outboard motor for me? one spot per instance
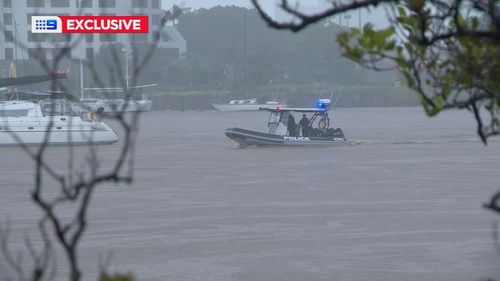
(336, 133)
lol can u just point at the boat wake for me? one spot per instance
(409, 142)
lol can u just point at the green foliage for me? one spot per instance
(449, 66)
(370, 42)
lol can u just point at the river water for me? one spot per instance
(402, 201)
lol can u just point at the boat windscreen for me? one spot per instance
(274, 117)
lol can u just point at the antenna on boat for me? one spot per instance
(323, 87)
(337, 97)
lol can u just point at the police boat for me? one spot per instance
(313, 129)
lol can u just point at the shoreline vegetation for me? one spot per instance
(352, 96)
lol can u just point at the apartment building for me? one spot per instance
(17, 41)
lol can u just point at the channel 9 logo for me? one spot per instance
(90, 24)
(46, 24)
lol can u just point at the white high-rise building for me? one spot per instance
(17, 41)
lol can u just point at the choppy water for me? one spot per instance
(401, 202)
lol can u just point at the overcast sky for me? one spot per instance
(376, 16)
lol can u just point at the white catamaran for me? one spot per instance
(36, 119)
(26, 122)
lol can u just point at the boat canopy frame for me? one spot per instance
(321, 113)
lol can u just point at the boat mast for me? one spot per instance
(126, 72)
(245, 88)
(81, 78)
(13, 74)
(125, 51)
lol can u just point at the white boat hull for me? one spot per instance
(65, 131)
(236, 107)
(244, 107)
(248, 137)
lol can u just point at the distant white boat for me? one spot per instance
(247, 105)
(117, 103)
(27, 121)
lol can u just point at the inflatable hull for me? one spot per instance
(248, 138)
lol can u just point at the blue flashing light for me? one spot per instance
(323, 103)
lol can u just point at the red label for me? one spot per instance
(105, 24)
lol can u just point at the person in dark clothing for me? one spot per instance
(304, 125)
(291, 125)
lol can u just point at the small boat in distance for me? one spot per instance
(318, 131)
(247, 105)
(109, 100)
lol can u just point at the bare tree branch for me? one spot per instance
(305, 20)
(75, 187)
